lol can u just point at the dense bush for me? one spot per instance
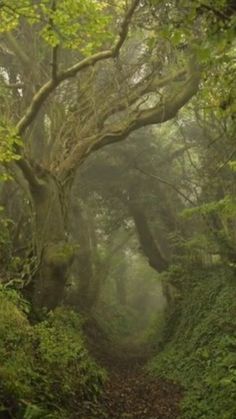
(45, 370)
(201, 352)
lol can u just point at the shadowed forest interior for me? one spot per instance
(117, 209)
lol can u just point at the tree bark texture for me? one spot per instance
(148, 244)
(54, 253)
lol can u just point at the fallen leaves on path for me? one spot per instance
(130, 392)
(136, 395)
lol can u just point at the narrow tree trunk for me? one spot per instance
(83, 267)
(148, 244)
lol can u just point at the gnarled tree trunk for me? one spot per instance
(54, 253)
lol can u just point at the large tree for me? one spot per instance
(79, 75)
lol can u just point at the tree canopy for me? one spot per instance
(117, 209)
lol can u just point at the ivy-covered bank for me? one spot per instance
(201, 344)
(45, 369)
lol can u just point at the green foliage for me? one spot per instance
(16, 271)
(8, 140)
(45, 369)
(232, 165)
(225, 206)
(221, 238)
(71, 23)
(208, 40)
(118, 322)
(201, 349)
(77, 24)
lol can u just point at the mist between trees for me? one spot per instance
(117, 209)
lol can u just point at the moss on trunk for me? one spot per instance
(54, 252)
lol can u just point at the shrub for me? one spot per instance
(45, 369)
(201, 353)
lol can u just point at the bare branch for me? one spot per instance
(27, 171)
(55, 62)
(166, 182)
(142, 88)
(55, 48)
(125, 27)
(135, 119)
(37, 101)
(17, 85)
(160, 113)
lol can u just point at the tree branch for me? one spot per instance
(136, 119)
(162, 112)
(55, 48)
(166, 182)
(125, 27)
(144, 87)
(27, 172)
(55, 62)
(41, 96)
(17, 85)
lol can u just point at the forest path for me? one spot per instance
(131, 393)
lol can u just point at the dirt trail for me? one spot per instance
(135, 395)
(130, 393)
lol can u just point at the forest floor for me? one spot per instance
(130, 392)
(133, 394)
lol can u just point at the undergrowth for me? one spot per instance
(45, 369)
(200, 350)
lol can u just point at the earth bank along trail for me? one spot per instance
(130, 392)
